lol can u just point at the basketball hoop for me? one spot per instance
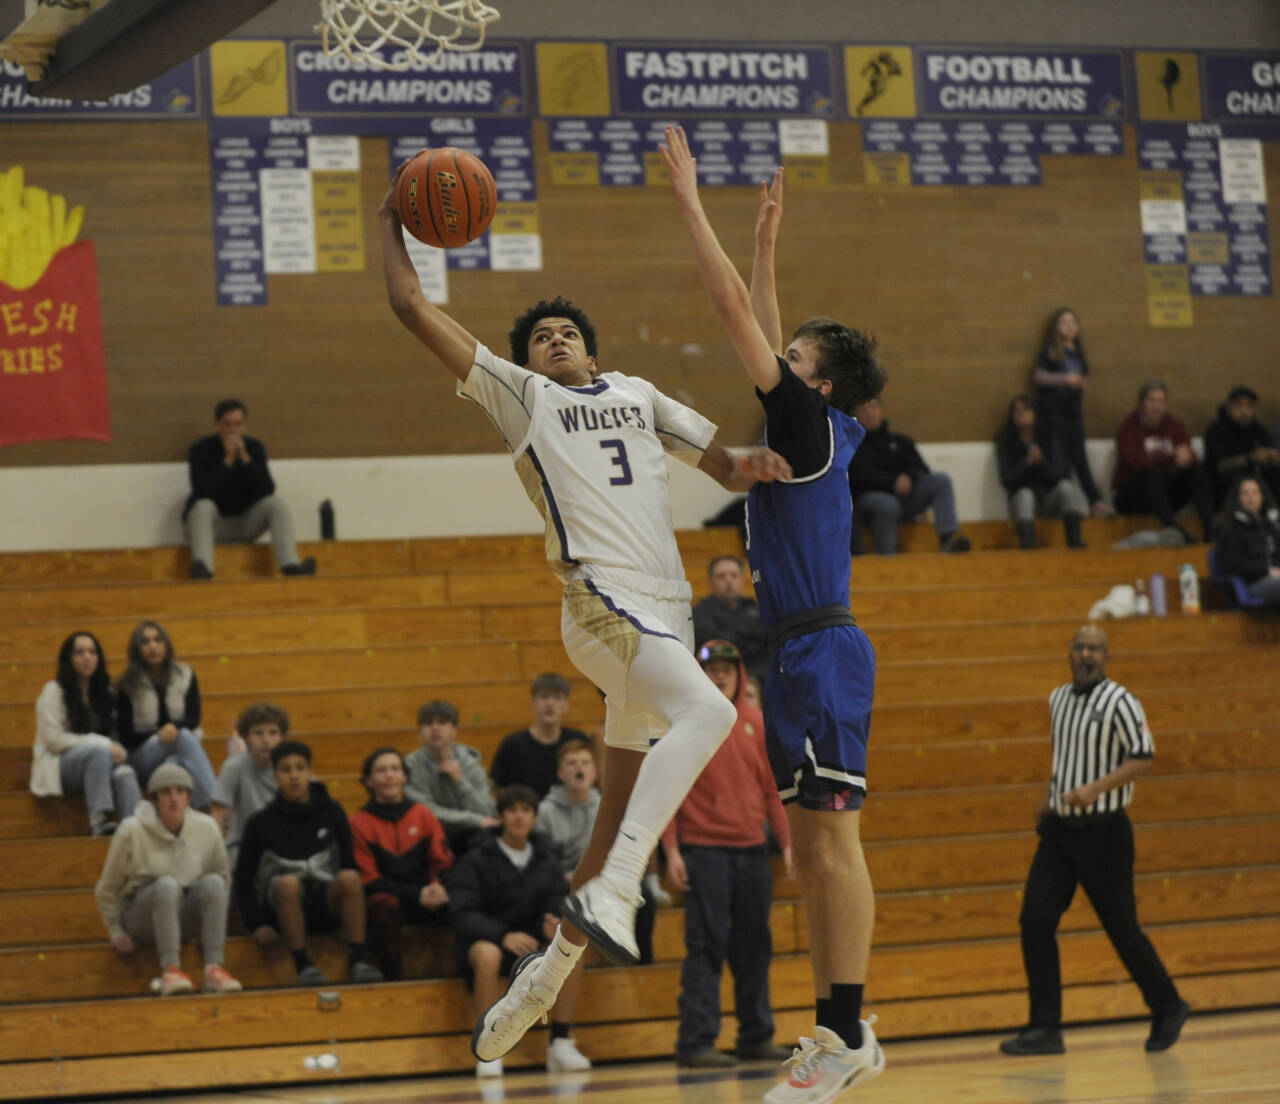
(417, 30)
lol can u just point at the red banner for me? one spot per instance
(53, 374)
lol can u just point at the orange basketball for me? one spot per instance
(446, 197)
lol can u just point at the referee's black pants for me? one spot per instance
(1096, 853)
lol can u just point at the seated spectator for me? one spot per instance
(890, 482)
(233, 496)
(401, 852)
(247, 781)
(1061, 376)
(166, 880)
(1034, 474)
(528, 757)
(1249, 539)
(505, 899)
(727, 614)
(74, 751)
(1156, 468)
(158, 711)
(296, 872)
(448, 777)
(716, 852)
(1236, 444)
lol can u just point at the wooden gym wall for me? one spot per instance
(956, 284)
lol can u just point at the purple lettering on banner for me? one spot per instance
(1242, 87)
(1040, 84)
(175, 95)
(487, 81)
(722, 79)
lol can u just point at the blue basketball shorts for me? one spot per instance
(817, 711)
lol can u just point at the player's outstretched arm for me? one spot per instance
(738, 473)
(728, 294)
(764, 293)
(448, 340)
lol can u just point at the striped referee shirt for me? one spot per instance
(1093, 733)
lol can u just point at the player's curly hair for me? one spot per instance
(846, 357)
(555, 308)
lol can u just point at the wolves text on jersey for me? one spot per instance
(583, 417)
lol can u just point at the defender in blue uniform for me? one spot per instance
(819, 689)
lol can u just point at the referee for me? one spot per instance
(1101, 743)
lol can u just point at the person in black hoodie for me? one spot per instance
(1033, 471)
(1237, 444)
(505, 899)
(1249, 539)
(296, 871)
(401, 852)
(890, 482)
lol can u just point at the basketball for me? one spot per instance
(446, 197)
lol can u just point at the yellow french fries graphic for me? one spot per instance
(34, 225)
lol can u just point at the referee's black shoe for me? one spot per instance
(1034, 1040)
(1166, 1028)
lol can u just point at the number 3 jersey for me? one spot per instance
(592, 461)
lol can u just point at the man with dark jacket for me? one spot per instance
(728, 614)
(296, 871)
(1237, 444)
(233, 496)
(505, 898)
(890, 482)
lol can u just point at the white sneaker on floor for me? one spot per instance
(489, 1069)
(608, 918)
(563, 1056)
(505, 1021)
(823, 1067)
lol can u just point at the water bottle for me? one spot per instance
(326, 520)
(1141, 603)
(1155, 589)
(1189, 583)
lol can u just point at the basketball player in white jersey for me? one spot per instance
(588, 447)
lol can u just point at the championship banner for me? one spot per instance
(53, 380)
(722, 79)
(1014, 83)
(176, 95)
(1242, 87)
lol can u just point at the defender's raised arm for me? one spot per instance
(728, 294)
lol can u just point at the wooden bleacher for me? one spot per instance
(969, 647)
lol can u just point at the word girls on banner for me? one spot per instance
(1242, 87)
(176, 95)
(487, 81)
(1022, 83)
(513, 241)
(624, 152)
(719, 79)
(1219, 183)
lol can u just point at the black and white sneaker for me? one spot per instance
(505, 1021)
(607, 918)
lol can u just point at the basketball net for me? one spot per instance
(413, 30)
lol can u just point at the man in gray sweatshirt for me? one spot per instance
(449, 778)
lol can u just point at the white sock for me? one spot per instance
(557, 964)
(628, 859)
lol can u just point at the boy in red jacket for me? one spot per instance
(1156, 468)
(716, 853)
(401, 851)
